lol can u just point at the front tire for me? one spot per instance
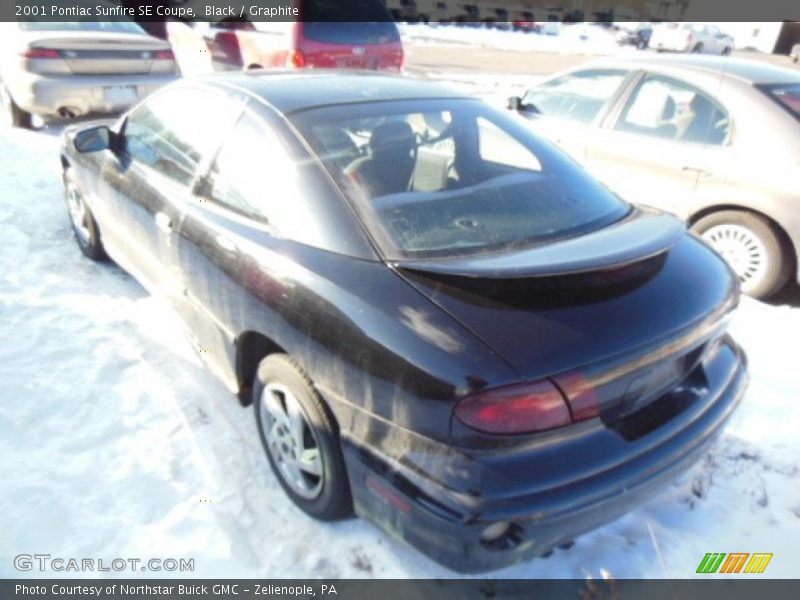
(84, 226)
(752, 246)
(698, 49)
(12, 115)
(301, 439)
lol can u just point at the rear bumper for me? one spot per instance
(51, 95)
(551, 491)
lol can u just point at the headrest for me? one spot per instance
(668, 112)
(392, 136)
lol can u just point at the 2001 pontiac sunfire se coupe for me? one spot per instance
(443, 323)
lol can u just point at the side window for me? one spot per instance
(253, 175)
(577, 96)
(498, 147)
(176, 129)
(668, 109)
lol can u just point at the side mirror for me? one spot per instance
(515, 103)
(93, 140)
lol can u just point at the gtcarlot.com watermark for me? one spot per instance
(46, 562)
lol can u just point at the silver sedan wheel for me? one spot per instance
(78, 214)
(743, 250)
(291, 441)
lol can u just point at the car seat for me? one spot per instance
(390, 163)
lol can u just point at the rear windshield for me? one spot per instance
(447, 178)
(99, 26)
(787, 96)
(352, 22)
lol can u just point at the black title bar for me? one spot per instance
(463, 11)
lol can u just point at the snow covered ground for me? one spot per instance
(117, 442)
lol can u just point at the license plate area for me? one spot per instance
(351, 63)
(121, 94)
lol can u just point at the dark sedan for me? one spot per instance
(443, 323)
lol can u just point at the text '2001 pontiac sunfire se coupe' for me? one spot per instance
(443, 323)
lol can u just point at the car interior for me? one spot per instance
(440, 181)
(669, 111)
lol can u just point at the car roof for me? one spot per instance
(294, 91)
(747, 70)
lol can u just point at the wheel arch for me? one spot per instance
(780, 229)
(251, 348)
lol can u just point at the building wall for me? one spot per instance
(761, 36)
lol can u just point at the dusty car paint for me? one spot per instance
(393, 347)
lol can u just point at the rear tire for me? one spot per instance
(752, 246)
(12, 115)
(301, 439)
(84, 226)
(698, 48)
(726, 51)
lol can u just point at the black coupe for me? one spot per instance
(443, 323)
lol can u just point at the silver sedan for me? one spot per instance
(72, 69)
(714, 140)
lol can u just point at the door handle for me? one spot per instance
(164, 222)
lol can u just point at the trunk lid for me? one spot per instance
(96, 53)
(617, 311)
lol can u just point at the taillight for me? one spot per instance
(583, 395)
(41, 53)
(164, 55)
(524, 408)
(296, 59)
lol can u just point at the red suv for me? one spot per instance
(358, 34)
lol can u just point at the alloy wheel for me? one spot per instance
(742, 249)
(291, 441)
(78, 214)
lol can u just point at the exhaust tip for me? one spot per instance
(68, 112)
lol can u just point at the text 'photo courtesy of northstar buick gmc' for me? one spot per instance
(443, 324)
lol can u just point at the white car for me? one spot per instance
(74, 68)
(698, 38)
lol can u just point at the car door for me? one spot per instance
(567, 109)
(246, 188)
(164, 142)
(660, 143)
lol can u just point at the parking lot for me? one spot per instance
(118, 442)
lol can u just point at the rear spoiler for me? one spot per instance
(642, 235)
